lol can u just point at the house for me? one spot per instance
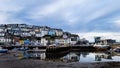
(4, 39)
(43, 34)
(25, 29)
(10, 31)
(29, 26)
(70, 38)
(9, 28)
(66, 37)
(51, 32)
(1, 29)
(44, 31)
(38, 34)
(59, 41)
(58, 32)
(25, 34)
(32, 33)
(12, 25)
(74, 39)
(44, 41)
(108, 41)
(21, 25)
(99, 40)
(16, 29)
(2, 25)
(2, 34)
(17, 33)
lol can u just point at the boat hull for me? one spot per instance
(3, 51)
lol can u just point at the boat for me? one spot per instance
(23, 49)
(3, 50)
(117, 50)
(101, 47)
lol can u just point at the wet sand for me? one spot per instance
(29, 63)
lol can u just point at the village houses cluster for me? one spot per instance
(19, 34)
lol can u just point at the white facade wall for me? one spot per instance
(38, 35)
(44, 42)
(44, 32)
(58, 33)
(2, 34)
(5, 40)
(60, 41)
(1, 30)
(72, 42)
(26, 34)
(68, 41)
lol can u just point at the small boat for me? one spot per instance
(117, 49)
(23, 49)
(3, 50)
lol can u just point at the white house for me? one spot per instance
(44, 32)
(5, 40)
(44, 42)
(1, 29)
(59, 41)
(2, 34)
(74, 39)
(38, 35)
(70, 38)
(17, 33)
(22, 25)
(59, 32)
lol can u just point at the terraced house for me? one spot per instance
(18, 34)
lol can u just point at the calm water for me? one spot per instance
(76, 56)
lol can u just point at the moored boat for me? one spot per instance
(101, 47)
(3, 50)
(117, 49)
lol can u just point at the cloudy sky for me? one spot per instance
(88, 18)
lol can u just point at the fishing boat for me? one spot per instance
(3, 50)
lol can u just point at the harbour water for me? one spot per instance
(75, 56)
(41, 59)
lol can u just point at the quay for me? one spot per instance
(20, 46)
(56, 49)
(69, 48)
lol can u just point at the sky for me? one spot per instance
(88, 18)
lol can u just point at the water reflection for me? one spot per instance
(73, 56)
(36, 55)
(99, 57)
(84, 54)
